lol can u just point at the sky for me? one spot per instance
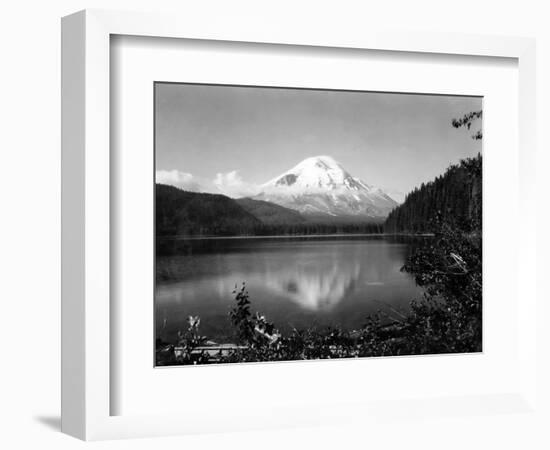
(230, 139)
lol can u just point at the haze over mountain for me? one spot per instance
(320, 186)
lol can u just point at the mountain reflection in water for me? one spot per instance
(296, 283)
(315, 288)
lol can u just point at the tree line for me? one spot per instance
(453, 198)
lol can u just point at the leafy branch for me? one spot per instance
(467, 120)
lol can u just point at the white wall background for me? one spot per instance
(30, 200)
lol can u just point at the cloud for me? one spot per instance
(232, 185)
(182, 180)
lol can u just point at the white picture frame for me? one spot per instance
(86, 217)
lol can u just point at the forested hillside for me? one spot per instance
(270, 213)
(183, 213)
(453, 198)
(180, 212)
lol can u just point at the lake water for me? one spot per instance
(294, 282)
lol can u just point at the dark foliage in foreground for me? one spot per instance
(446, 320)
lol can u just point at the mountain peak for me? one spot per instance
(321, 185)
(314, 173)
(321, 160)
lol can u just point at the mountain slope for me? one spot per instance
(270, 213)
(180, 212)
(320, 186)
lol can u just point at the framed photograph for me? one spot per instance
(268, 248)
(294, 215)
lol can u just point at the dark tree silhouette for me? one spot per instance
(467, 120)
(454, 198)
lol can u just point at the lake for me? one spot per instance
(295, 282)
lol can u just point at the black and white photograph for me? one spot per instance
(305, 224)
(292, 224)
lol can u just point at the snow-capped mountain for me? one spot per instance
(321, 186)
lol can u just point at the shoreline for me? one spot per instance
(298, 236)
